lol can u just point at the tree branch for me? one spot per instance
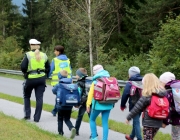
(64, 13)
(80, 6)
(109, 34)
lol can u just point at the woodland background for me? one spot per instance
(115, 33)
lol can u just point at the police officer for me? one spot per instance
(35, 67)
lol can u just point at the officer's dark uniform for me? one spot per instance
(38, 84)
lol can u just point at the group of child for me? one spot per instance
(61, 74)
(152, 86)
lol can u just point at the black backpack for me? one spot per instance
(85, 86)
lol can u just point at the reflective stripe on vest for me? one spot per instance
(60, 65)
(33, 64)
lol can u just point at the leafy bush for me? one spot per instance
(121, 66)
(11, 55)
(165, 55)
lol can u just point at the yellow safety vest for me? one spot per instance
(35, 65)
(60, 65)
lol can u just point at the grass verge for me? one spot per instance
(113, 125)
(23, 130)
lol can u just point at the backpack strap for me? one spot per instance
(84, 88)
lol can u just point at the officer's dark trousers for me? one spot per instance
(38, 84)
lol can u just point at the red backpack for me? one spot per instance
(107, 90)
(159, 107)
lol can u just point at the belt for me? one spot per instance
(38, 71)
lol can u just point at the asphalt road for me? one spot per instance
(14, 87)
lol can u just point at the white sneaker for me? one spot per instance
(73, 133)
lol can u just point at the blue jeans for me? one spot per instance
(136, 131)
(54, 111)
(105, 117)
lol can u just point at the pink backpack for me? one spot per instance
(159, 107)
(135, 91)
(107, 90)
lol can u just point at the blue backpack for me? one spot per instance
(68, 96)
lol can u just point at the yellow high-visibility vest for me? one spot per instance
(60, 65)
(34, 65)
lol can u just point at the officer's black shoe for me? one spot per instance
(26, 118)
(61, 133)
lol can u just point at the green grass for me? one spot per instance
(23, 130)
(113, 125)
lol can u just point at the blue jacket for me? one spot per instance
(56, 89)
(60, 57)
(95, 104)
(126, 92)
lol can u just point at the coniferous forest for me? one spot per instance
(115, 33)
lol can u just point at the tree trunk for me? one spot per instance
(3, 26)
(119, 5)
(31, 31)
(90, 37)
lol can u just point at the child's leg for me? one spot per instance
(54, 111)
(67, 116)
(94, 114)
(155, 130)
(176, 132)
(81, 112)
(60, 122)
(105, 117)
(136, 128)
(149, 132)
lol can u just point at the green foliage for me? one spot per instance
(121, 33)
(165, 53)
(11, 53)
(120, 66)
(141, 22)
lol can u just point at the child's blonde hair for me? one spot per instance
(151, 84)
(64, 73)
(37, 52)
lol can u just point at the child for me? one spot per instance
(98, 108)
(81, 75)
(64, 113)
(151, 86)
(168, 79)
(60, 62)
(134, 75)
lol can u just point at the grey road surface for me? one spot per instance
(49, 123)
(14, 87)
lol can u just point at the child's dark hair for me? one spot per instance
(59, 48)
